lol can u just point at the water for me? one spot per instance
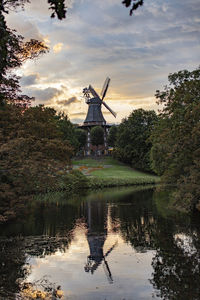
(119, 244)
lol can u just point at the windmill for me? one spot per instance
(94, 115)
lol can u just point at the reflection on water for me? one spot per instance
(117, 244)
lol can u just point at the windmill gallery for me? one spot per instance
(95, 118)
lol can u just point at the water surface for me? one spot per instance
(119, 244)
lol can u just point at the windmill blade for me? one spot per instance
(93, 92)
(105, 88)
(111, 249)
(112, 112)
(107, 271)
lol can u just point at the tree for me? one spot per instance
(175, 153)
(81, 136)
(112, 136)
(97, 136)
(57, 6)
(67, 130)
(13, 52)
(133, 144)
(134, 4)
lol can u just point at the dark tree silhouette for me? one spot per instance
(133, 3)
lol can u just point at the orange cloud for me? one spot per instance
(57, 48)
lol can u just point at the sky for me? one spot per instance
(99, 39)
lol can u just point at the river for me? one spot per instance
(115, 244)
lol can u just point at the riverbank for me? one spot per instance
(87, 174)
(108, 172)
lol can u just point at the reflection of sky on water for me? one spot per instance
(120, 245)
(130, 270)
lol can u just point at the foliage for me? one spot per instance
(57, 6)
(13, 52)
(133, 144)
(134, 3)
(97, 136)
(34, 155)
(95, 183)
(77, 137)
(176, 151)
(81, 137)
(67, 129)
(112, 136)
(75, 181)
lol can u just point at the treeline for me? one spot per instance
(167, 143)
(36, 145)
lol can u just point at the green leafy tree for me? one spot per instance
(67, 130)
(97, 136)
(133, 144)
(175, 153)
(81, 136)
(112, 136)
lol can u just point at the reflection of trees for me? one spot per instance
(40, 289)
(47, 229)
(177, 261)
(14, 252)
(137, 222)
(12, 259)
(177, 264)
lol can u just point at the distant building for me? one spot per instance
(95, 118)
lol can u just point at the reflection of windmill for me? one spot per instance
(94, 115)
(96, 257)
(96, 215)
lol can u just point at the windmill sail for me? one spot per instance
(105, 88)
(112, 112)
(94, 111)
(93, 92)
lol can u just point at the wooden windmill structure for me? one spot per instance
(95, 116)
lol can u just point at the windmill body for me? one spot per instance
(94, 114)
(95, 117)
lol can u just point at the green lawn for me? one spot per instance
(110, 172)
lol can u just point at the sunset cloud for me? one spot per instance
(57, 48)
(68, 101)
(99, 39)
(29, 79)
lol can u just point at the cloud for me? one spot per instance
(43, 95)
(80, 114)
(99, 39)
(57, 48)
(28, 29)
(29, 79)
(76, 120)
(68, 101)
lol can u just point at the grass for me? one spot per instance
(107, 172)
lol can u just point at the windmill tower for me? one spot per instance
(95, 116)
